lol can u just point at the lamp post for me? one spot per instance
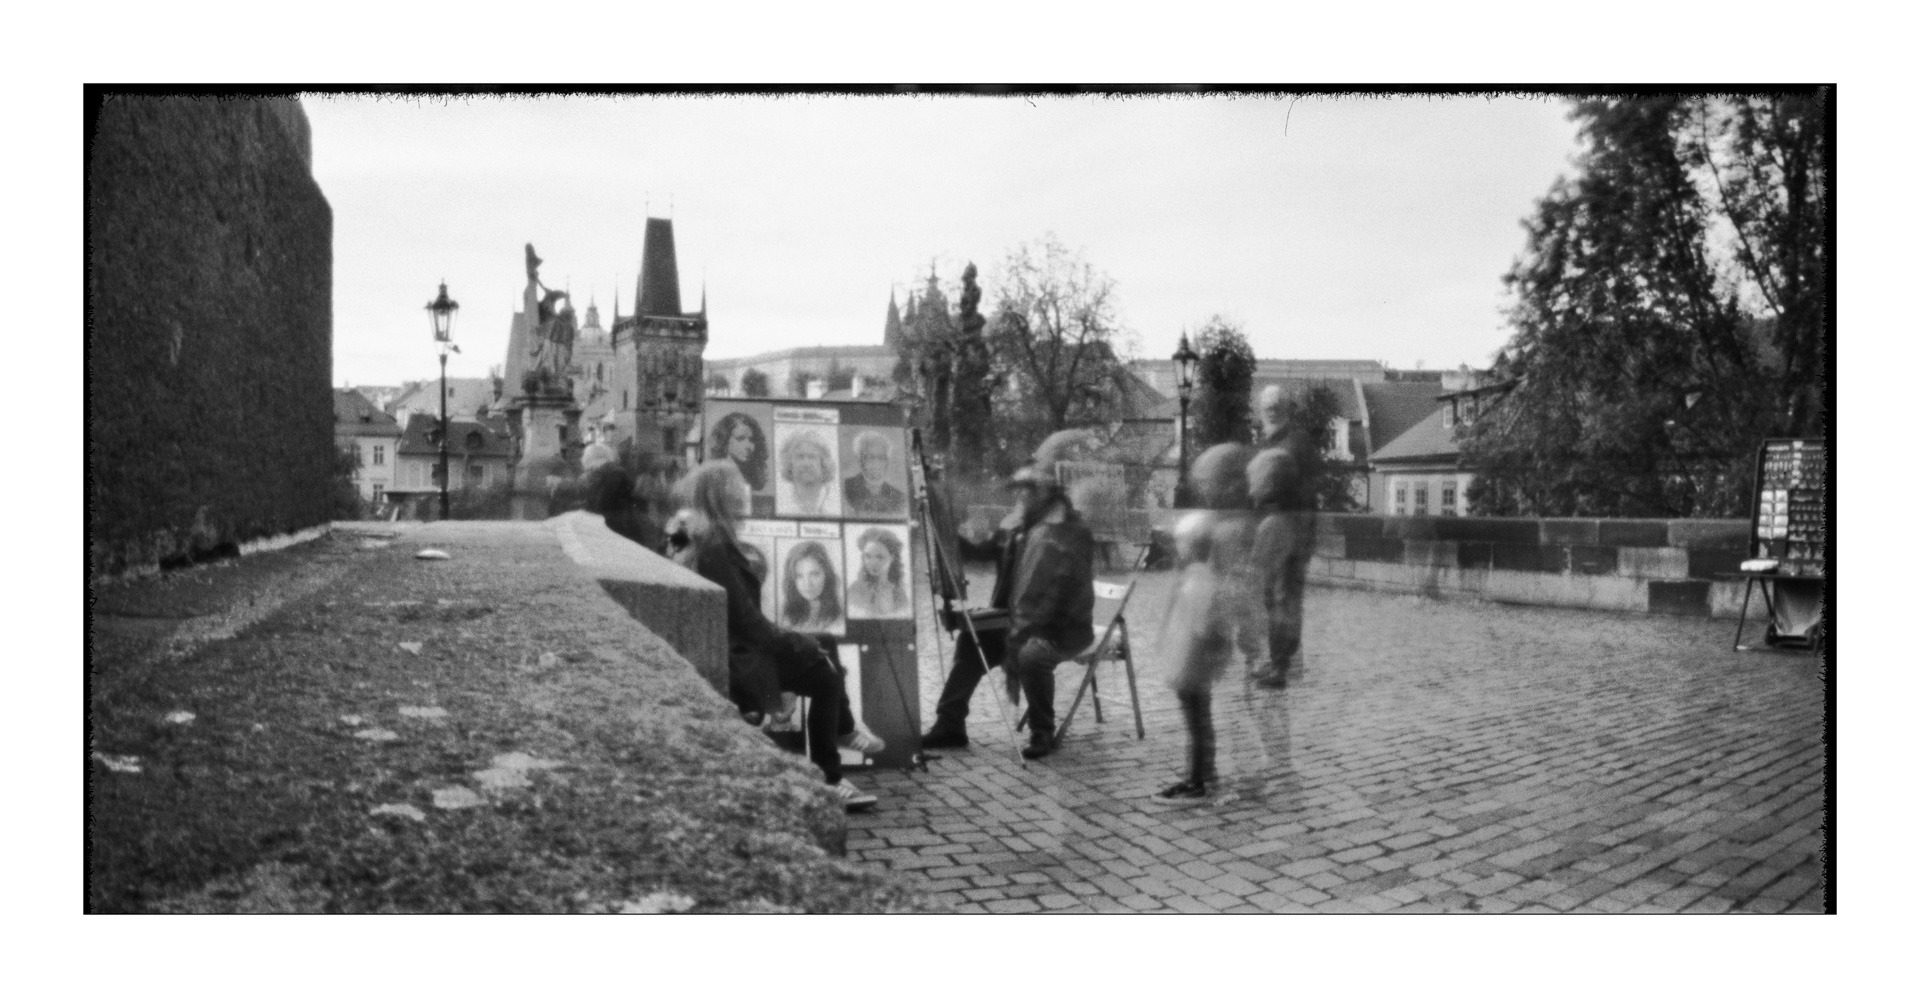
(442, 309)
(1184, 362)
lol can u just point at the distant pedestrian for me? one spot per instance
(607, 489)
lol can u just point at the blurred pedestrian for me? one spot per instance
(1219, 478)
(607, 489)
(1282, 480)
(1197, 642)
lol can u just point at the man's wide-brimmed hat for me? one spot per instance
(1039, 473)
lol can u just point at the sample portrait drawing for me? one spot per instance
(807, 486)
(876, 487)
(877, 575)
(737, 437)
(760, 561)
(810, 589)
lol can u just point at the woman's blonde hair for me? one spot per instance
(706, 495)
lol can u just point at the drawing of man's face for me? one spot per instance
(809, 467)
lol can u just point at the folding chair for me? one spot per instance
(1114, 646)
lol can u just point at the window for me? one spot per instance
(623, 399)
(1449, 499)
(379, 454)
(379, 493)
(1399, 499)
(1420, 499)
(1447, 415)
(667, 441)
(475, 441)
(476, 475)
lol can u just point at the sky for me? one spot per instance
(1369, 227)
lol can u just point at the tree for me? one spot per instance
(753, 383)
(1223, 386)
(839, 376)
(1315, 410)
(717, 384)
(1635, 386)
(797, 384)
(1054, 346)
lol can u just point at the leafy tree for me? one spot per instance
(346, 504)
(927, 338)
(1055, 351)
(717, 383)
(797, 384)
(1315, 410)
(753, 383)
(839, 376)
(1223, 385)
(1637, 381)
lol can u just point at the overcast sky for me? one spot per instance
(1348, 227)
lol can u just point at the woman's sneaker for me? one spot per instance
(851, 797)
(863, 741)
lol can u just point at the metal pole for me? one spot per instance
(1180, 484)
(443, 434)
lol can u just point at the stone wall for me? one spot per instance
(685, 610)
(1641, 566)
(209, 328)
(1631, 566)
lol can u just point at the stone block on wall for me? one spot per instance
(1570, 531)
(1709, 533)
(1633, 533)
(1410, 528)
(1375, 549)
(1352, 524)
(1653, 563)
(1444, 554)
(1687, 599)
(685, 610)
(1706, 563)
(1529, 558)
(1593, 559)
(1505, 530)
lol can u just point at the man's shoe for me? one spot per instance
(852, 797)
(1184, 790)
(1039, 747)
(863, 741)
(938, 737)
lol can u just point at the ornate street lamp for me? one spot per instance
(442, 310)
(1184, 363)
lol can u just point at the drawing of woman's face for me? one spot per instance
(740, 443)
(809, 578)
(875, 559)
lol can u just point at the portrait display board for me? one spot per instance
(1790, 506)
(831, 522)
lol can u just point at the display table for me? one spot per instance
(1794, 608)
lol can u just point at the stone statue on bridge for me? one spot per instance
(551, 321)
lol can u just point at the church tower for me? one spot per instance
(658, 359)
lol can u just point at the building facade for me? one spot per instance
(658, 362)
(372, 437)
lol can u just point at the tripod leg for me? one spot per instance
(1133, 689)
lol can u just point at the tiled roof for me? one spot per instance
(842, 352)
(354, 413)
(1429, 439)
(494, 439)
(464, 396)
(1394, 407)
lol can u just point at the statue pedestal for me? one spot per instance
(546, 429)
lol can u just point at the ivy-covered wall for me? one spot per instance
(209, 327)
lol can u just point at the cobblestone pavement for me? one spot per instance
(1430, 756)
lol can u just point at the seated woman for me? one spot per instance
(810, 600)
(764, 659)
(879, 589)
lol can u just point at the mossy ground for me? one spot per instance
(264, 800)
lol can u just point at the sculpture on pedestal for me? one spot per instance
(553, 329)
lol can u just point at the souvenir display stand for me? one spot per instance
(830, 522)
(1787, 545)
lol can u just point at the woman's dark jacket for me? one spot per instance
(753, 641)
